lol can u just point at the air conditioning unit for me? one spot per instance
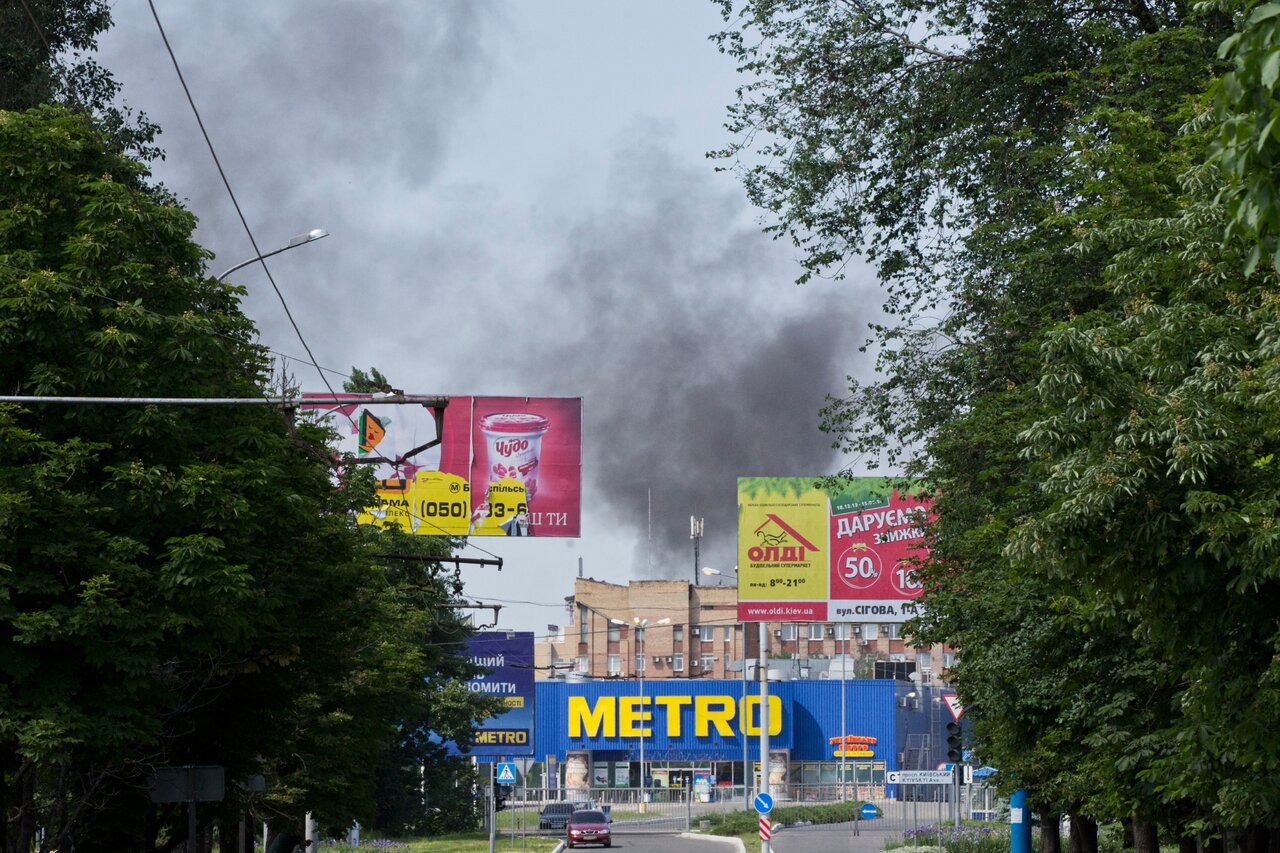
(693, 663)
(831, 631)
(857, 630)
(866, 641)
(884, 630)
(657, 658)
(668, 660)
(778, 633)
(695, 632)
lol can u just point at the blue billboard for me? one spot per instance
(507, 658)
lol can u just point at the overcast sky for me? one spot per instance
(519, 203)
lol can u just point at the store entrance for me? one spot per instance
(682, 779)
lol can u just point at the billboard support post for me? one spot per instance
(493, 802)
(764, 720)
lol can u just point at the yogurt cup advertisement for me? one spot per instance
(806, 555)
(478, 466)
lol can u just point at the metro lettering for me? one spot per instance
(627, 716)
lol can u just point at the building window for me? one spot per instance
(789, 631)
(895, 631)
(728, 633)
(815, 630)
(948, 660)
(870, 631)
(582, 623)
(639, 663)
(924, 662)
(843, 630)
(615, 664)
(615, 633)
(582, 663)
(708, 663)
(639, 637)
(679, 661)
(677, 634)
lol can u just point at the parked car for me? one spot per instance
(556, 816)
(588, 826)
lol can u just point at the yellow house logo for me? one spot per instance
(637, 716)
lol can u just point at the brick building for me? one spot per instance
(700, 638)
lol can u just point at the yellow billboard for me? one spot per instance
(782, 548)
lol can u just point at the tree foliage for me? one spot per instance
(179, 585)
(1071, 355)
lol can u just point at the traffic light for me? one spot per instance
(954, 749)
(500, 794)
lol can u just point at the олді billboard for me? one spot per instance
(491, 466)
(808, 556)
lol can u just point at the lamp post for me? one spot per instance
(742, 627)
(294, 242)
(640, 625)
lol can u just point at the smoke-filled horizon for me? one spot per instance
(519, 204)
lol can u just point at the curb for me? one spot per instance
(736, 842)
(560, 847)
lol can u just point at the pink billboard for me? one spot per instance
(467, 466)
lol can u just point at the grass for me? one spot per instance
(747, 823)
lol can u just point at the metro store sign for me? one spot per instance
(636, 716)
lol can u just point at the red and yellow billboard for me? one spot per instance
(478, 466)
(806, 555)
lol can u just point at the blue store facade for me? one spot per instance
(588, 734)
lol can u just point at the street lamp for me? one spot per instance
(640, 625)
(707, 570)
(294, 242)
(742, 626)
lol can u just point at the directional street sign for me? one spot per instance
(919, 777)
(763, 803)
(506, 773)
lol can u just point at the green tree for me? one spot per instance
(967, 148)
(44, 59)
(178, 585)
(1246, 144)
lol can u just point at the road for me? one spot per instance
(831, 838)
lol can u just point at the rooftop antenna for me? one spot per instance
(695, 533)
(650, 492)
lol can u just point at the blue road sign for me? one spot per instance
(505, 773)
(763, 803)
(869, 811)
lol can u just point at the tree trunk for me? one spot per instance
(1050, 832)
(1084, 834)
(1146, 836)
(24, 832)
(1187, 844)
(1255, 839)
(1126, 823)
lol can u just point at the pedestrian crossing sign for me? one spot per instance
(506, 773)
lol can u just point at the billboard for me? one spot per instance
(507, 657)
(478, 466)
(807, 555)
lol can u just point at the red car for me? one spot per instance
(588, 826)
